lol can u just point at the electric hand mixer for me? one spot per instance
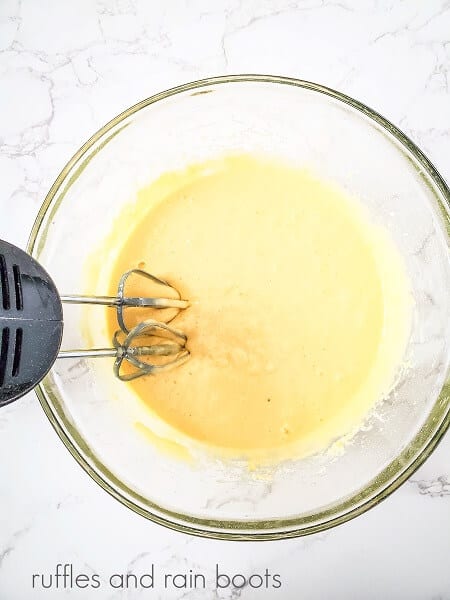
(31, 327)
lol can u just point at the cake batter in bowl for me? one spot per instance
(310, 237)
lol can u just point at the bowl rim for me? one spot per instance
(403, 466)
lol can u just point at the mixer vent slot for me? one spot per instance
(4, 346)
(17, 352)
(18, 287)
(5, 283)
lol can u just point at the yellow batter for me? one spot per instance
(299, 305)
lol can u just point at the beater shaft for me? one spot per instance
(124, 301)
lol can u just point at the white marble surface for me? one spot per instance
(66, 68)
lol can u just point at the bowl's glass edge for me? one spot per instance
(396, 473)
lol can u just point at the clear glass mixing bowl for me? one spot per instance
(343, 141)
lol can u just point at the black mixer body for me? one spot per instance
(31, 323)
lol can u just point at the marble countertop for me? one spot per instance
(68, 67)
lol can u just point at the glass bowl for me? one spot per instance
(344, 142)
